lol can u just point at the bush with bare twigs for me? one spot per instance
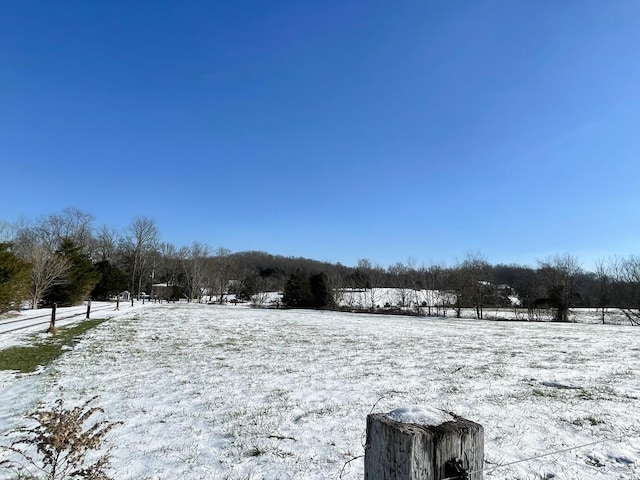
(65, 448)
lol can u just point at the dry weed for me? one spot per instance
(63, 444)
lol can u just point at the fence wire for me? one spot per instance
(556, 452)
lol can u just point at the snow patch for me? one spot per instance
(421, 415)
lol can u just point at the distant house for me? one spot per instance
(126, 296)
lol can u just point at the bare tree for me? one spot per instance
(457, 279)
(143, 240)
(415, 283)
(194, 269)
(628, 273)
(170, 264)
(38, 242)
(220, 272)
(337, 283)
(72, 224)
(604, 273)
(560, 275)
(433, 278)
(106, 244)
(372, 275)
(47, 270)
(400, 275)
(376, 276)
(472, 283)
(50, 231)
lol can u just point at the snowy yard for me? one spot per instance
(238, 393)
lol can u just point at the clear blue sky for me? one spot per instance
(334, 130)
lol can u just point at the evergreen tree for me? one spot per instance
(297, 291)
(14, 278)
(113, 280)
(322, 295)
(81, 277)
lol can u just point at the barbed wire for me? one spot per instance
(504, 465)
(556, 452)
(467, 475)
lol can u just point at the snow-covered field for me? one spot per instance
(230, 392)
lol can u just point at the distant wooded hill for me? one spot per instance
(62, 258)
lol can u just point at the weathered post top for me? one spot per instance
(421, 443)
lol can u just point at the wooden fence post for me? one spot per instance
(410, 450)
(52, 323)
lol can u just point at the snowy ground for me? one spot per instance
(237, 393)
(39, 320)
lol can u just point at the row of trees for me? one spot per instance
(64, 258)
(556, 284)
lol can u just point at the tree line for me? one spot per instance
(63, 258)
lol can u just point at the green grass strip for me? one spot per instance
(42, 352)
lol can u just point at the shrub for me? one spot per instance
(62, 443)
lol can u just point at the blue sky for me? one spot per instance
(333, 130)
